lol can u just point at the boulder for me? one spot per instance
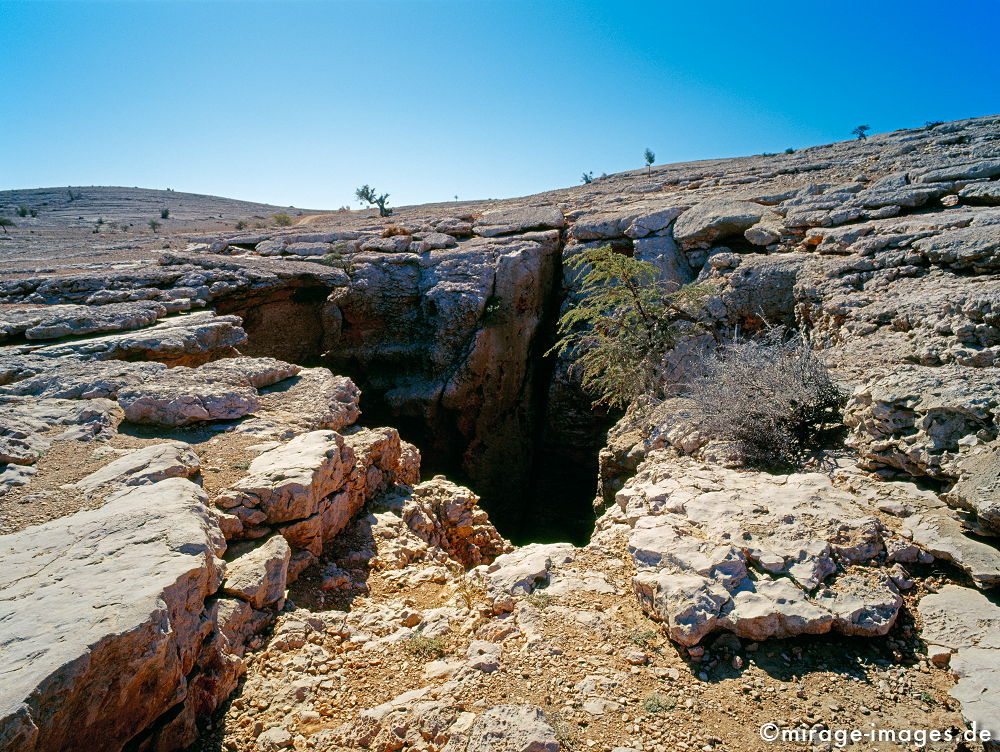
(103, 617)
(143, 467)
(222, 390)
(526, 568)
(288, 483)
(259, 576)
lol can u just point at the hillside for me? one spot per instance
(341, 497)
(76, 224)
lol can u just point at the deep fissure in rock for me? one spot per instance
(535, 469)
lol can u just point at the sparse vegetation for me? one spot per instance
(644, 638)
(241, 225)
(6, 222)
(771, 396)
(154, 225)
(492, 310)
(427, 648)
(587, 178)
(73, 196)
(627, 320)
(650, 157)
(22, 211)
(367, 194)
(861, 132)
(164, 213)
(931, 124)
(281, 219)
(540, 599)
(658, 702)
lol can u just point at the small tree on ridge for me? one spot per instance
(368, 195)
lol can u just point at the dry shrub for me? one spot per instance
(392, 230)
(771, 396)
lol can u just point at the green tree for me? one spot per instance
(6, 222)
(164, 213)
(282, 219)
(367, 194)
(625, 323)
(154, 225)
(861, 132)
(587, 178)
(650, 157)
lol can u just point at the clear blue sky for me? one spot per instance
(300, 102)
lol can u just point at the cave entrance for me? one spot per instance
(541, 490)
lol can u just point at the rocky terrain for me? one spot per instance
(319, 487)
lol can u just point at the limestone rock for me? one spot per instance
(512, 728)
(978, 489)
(54, 322)
(506, 221)
(981, 193)
(260, 575)
(441, 515)
(697, 533)
(103, 617)
(967, 624)
(222, 390)
(311, 400)
(920, 419)
(704, 223)
(526, 568)
(144, 466)
(189, 340)
(289, 482)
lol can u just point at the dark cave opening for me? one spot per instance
(542, 492)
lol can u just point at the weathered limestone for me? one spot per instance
(921, 420)
(102, 617)
(189, 340)
(507, 221)
(260, 575)
(222, 390)
(966, 625)
(526, 568)
(311, 487)
(709, 221)
(54, 322)
(29, 426)
(696, 532)
(512, 728)
(143, 467)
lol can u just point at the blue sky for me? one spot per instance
(300, 102)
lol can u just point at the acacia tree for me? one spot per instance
(650, 157)
(368, 195)
(625, 323)
(5, 222)
(861, 132)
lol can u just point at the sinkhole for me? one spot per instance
(529, 451)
